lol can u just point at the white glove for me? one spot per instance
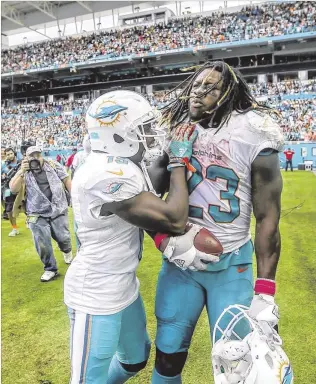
(180, 250)
(264, 309)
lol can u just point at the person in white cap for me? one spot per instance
(46, 207)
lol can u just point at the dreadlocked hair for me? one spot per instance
(235, 96)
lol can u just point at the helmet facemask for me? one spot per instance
(244, 353)
(145, 130)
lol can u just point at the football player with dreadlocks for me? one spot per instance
(236, 172)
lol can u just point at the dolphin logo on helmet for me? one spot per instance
(110, 111)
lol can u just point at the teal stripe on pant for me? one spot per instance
(85, 351)
(97, 338)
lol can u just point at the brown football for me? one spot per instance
(206, 242)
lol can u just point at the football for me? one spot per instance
(206, 242)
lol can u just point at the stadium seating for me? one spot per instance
(61, 125)
(282, 88)
(55, 125)
(298, 119)
(252, 22)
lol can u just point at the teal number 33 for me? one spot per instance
(214, 172)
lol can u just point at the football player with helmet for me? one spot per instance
(112, 198)
(237, 172)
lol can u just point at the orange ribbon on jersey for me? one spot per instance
(188, 165)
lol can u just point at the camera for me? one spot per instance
(34, 164)
(8, 164)
(12, 172)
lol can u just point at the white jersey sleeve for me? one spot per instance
(117, 188)
(256, 132)
(116, 184)
(76, 160)
(79, 159)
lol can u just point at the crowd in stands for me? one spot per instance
(298, 119)
(60, 106)
(52, 125)
(282, 88)
(263, 20)
(64, 129)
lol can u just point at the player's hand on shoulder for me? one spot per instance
(182, 141)
(181, 251)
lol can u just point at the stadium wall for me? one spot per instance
(304, 151)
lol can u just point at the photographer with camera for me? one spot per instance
(44, 182)
(8, 167)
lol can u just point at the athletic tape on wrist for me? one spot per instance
(174, 165)
(265, 286)
(181, 162)
(158, 238)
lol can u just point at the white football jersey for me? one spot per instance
(102, 278)
(220, 190)
(79, 159)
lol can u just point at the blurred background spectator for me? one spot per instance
(8, 167)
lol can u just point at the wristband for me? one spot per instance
(178, 162)
(174, 165)
(265, 286)
(158, 238)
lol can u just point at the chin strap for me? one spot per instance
(147, 178)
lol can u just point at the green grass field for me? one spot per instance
(35, 323)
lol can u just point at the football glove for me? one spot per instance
(264, 309)
(180, 149)
(180, 250)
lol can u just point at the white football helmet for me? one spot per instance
(253, 359)
(119, 121)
